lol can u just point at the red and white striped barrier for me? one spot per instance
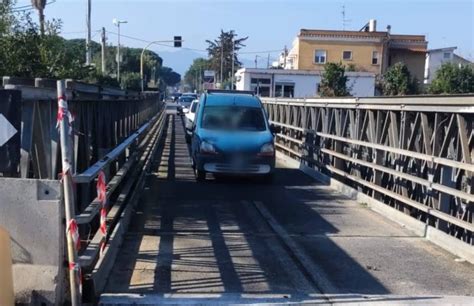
(102, 197)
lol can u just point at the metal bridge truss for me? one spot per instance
(413, 154)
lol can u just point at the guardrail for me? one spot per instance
(114, 132)
(122, 193)
(414, 154)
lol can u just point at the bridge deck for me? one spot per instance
(229, 239)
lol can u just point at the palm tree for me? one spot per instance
(40, 5)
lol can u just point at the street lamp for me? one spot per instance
(177, 43)
(117, 23)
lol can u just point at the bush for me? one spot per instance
(451, 79)
(397, 81)
(334, 81)
(131, 80)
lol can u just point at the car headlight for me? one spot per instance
(267, 149)
(207, 148)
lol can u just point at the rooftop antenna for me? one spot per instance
(345, 21)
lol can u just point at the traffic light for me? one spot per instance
(177, 41)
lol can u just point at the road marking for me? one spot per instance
(316, 275)
(7, 130)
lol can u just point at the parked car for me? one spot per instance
(189, 120)
(184, 102)
(232, 135)
(175, 96)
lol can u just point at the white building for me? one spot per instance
(437, 57)
(298, 83)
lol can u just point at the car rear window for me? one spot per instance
(233, 118)
(186, 99)
(193, 107)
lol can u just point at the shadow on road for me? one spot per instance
(189, 237)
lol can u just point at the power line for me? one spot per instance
(28, 7)
(192, 49)
(159, 44)
(257, 52)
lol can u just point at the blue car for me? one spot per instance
(231, 135)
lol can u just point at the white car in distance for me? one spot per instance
(190, 114)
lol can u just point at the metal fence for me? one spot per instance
(413, 153)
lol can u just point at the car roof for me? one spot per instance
(223, 99)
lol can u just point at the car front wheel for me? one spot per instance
(200, 175)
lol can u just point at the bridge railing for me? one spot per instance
(103, 118)
(415, 154)
(114, 131)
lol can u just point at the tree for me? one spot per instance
(334, 81)
(25, 52)
(195, 73)
(451, 79)
(220, 51)
(31, 50)
(169, 77)
(6, 18)
(397, 81)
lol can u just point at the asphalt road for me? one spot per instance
(292, 241)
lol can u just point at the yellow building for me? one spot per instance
(366, 50)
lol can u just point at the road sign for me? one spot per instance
(7, 130)
(209, 73)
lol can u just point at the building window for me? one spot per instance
(285, 90)
(347, 55)
(260, 86)
(262, 81)
(375, 58)
(447, 55)
(320, 56)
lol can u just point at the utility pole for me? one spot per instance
(256, 61)
(88, 40)
(233, 62)
(268, 60)
(222, 61)
(118, 53)
(103, 46)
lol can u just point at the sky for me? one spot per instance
(269, 24)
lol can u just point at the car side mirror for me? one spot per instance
(275, 129)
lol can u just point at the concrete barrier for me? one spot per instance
(32, 213)
(6, 277)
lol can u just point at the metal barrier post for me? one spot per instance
(72, 235)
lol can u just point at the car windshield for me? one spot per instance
(233, 118)
(194, 107)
